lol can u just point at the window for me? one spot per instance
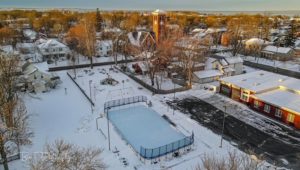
(47, 50)
(60, 49)
(290, 118)
(256, 104)
(267, 108)
(245, 96)
(278, 113)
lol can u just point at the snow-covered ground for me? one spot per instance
(289, 65)
(65, 113)
(164, 82)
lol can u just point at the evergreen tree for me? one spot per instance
(290, 38)
(99, 21)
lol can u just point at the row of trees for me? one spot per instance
(14, 122)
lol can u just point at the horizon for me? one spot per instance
(171, 5)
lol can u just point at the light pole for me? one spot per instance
(90, 82)
(108, 134)
(174, 74)
(223, 126)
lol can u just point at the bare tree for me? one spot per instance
(62, 155)
(232, 161)
(192, 53)
(89, 38)
(235, 30)
(14, 125)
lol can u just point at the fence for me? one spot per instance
(152, 153)
(69, 67)
(83, 92)
(120, 102)
(151, 88)
(11, 158)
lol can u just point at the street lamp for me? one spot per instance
(108, 134)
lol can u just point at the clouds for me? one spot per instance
(221, 5)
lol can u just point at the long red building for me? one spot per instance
(271, 94)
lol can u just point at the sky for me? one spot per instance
(202, 5)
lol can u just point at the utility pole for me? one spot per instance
(224, 116)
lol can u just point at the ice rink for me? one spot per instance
(143, 127)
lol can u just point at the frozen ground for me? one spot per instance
(64, 113)
(289, 65)
(164, 82)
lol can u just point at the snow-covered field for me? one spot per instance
(65, 113)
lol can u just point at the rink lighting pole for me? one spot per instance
(108, 134)
(174, 74)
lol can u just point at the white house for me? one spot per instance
(52, 49)
(277, 53)
(226, 63)
(104, 48)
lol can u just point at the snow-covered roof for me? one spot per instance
(228, 57)
(261, 81)
(234, 60)
(25, 45)
(105, 43)
(197, 30)
(115, 30)
(282, 98)
(50, 43)
(8, 49)
(255, 41)
(275, 49)
(297, 43)
(207, 73)
(256, 81)
(159, 11)
(29, 33)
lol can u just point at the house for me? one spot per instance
(297, 48)
(29, 35)
(277, 53)
(141, 38)
(271, 94)
(52, 49)
(104, 48)
(227, 63)
(36, 81)
(7, 49)
(206, 76)
(255, 45)
(29, 51)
